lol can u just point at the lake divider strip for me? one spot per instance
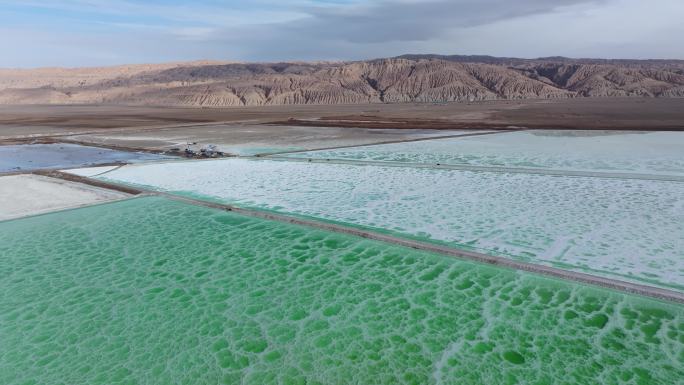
(613, 284)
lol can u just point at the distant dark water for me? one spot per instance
(60, 155)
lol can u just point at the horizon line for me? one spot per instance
(409, 56)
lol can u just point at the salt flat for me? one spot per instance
(658, 153)
(24, 195)
(626, 229)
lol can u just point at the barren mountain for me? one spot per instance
(413, 78)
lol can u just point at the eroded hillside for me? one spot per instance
(411, 79)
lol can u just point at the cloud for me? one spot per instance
(214, 13)
(100, 32)
(386, 21)
(378, 28)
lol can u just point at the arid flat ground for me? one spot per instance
(158, 128)
(252, 139)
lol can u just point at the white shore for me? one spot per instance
(25, 195)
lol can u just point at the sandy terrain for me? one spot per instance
(250, 139)
(300, 126)
(24, 195)
(615, 112)
(588, 114)
(27, 120)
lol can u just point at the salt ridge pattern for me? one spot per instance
(625, 229)
(657, 153)
(151, 291)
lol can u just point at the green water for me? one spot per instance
(622, 229)
(150, 291)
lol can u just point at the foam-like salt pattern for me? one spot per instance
(150, 291)
(654, 153)
(626, 229)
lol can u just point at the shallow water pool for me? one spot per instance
(151, 291)
(29, 157)
(659, 153)
(625, 229)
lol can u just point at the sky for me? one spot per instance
(76, 33)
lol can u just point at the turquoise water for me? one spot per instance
(251, 151)
(624, 229)
(151, 291)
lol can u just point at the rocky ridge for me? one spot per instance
(413, 78)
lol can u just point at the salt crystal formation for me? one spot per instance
(625, 229)
(150, 291)
(607, 151)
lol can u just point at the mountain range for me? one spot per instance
(408, 78)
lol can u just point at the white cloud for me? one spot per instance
(267, 30)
